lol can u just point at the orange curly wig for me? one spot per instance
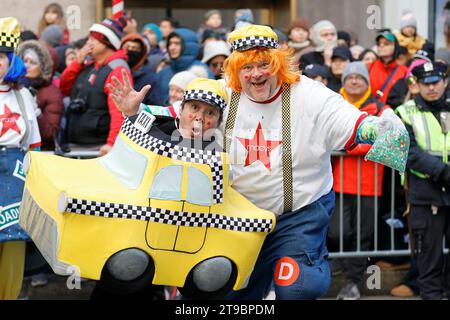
(280, 61)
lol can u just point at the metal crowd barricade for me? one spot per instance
(375, 252)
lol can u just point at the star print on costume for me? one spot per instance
(9, 121)
(258, 148)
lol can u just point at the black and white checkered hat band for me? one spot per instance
(205, 96)
(8, 41)
(167, 149)
(185, 219)
(253, 42)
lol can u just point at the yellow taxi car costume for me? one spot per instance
(152, 209)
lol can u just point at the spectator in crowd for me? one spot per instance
(340, 58)
(70, 55)
(79, 44)
(409, 286)
(408, 37)
(401, 88)
(368, 56)
(344, 39)
(324, 36)
(38, 80)
(93, 118)
(134, 43)
(211, 35)
(54, 15)
(167, 26)
(282, 38)
(153, 36)
(356, 51)
(242, 18)
(27, 35)
(19, 133)
(213, 22)
(317, 72)
(214, 54)
(385, 71)
(52, 36)
(183, 49)
(428, 178)
(443, 56)
(403, 56)
(356, 90)
(178, 85)
(298, 34)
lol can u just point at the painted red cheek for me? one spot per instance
(208, 123)
(191, 116)
(266, 74)
(247, 77)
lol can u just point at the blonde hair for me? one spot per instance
(52, 7)
(281, 63)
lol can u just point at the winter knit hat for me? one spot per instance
(109, 32)
(215, 48)
(182, 79)
(244, 15)
(316, 28)
(408, 20)
(53, 35)
(357, 67)
(156, 30)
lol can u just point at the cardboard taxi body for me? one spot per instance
(171, 202)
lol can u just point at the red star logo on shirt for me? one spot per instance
(258, 148)
(9, 121)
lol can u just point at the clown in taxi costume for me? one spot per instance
(18, 132)
(280, 129)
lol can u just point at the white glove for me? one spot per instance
(389, 121)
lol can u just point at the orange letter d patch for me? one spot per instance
(286, 271)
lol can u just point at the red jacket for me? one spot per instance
(379, 72)
(50, 101)
(69, 77)
(367, 168)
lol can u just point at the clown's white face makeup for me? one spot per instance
(196, 118)
(4, 66)
(257, 81)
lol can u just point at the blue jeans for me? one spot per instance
(11, 190)
(294, 256)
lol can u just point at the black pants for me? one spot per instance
(429, 230)
(353, 267)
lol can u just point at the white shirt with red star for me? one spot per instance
(12, 123)
(321, 121)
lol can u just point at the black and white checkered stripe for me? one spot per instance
(205, 96)
(167, 149)
(178, 218)
(8, 40)
(254, 41)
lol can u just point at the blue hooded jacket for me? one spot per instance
(190, 50)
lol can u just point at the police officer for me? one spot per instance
(427, 119)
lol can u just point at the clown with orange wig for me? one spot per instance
(279, 129)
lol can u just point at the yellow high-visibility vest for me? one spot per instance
(427, 131)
